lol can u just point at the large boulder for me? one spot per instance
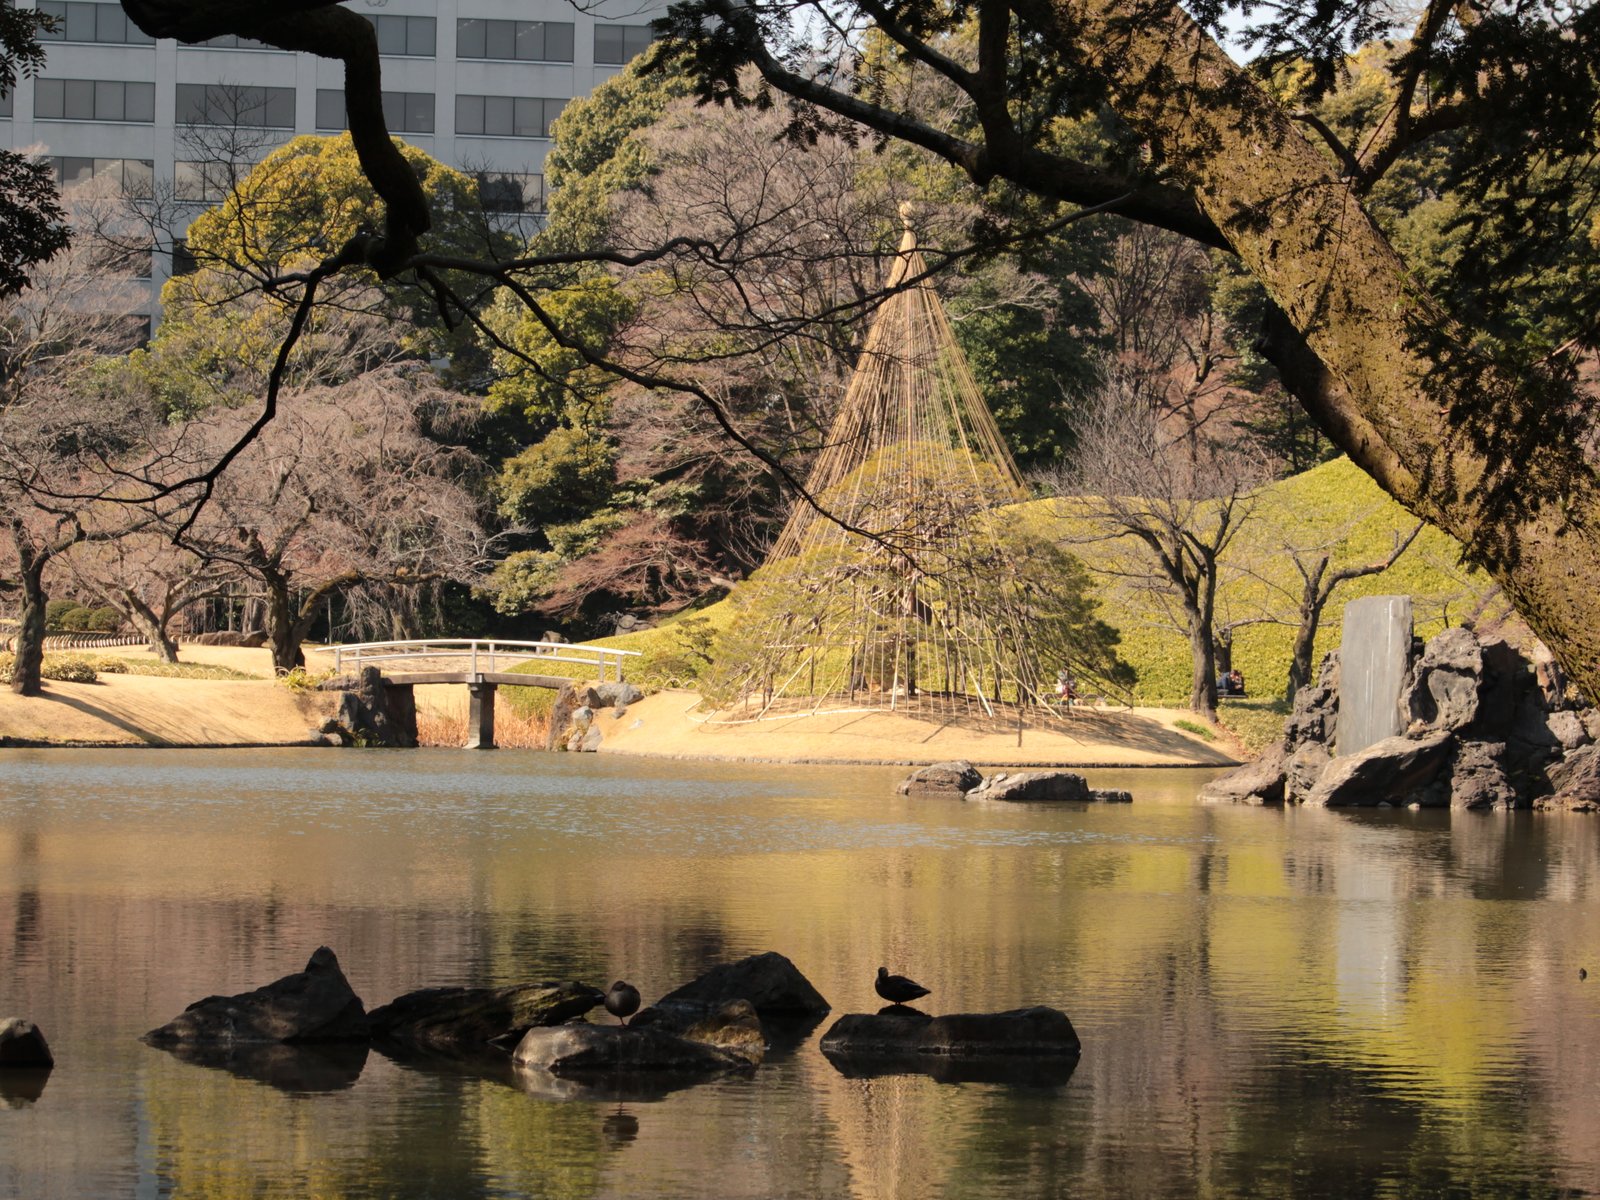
(771, 984)
(1304, 770)
(734, 1027)
(1316, 708)
(317, 1004)
(580, 1048)
(1395, 770)
(1443, 692)
(1577, 783)
(1036, 785)
(948, 779)
(460, 1020)
(616, 695)
(1478, 777)
(1033, 1032)
(22, 1046)
(1258, 782)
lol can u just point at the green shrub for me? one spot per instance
(68, 668)
(166, 670)
(104, 620)
(55, 610)
(109, 665)
(301, 680)
(76, 620)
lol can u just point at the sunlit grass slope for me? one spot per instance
(1334, 507)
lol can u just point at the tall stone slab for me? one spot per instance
(1374, 657)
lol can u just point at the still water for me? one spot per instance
(1271, 1003)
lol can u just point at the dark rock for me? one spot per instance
(1018, 786)
(1305, 767)
(1392, 771)
(1443, 692)
(610, 695)
(364, 710)
(1478, 778)
(289, 1067)
(550, 635)
(22, 1086)
(770, 982)
(1507, 676)
(949, 779)
(1578, 786)
(316, 1004)
(1034, 1032)
(580, 1049)
(1316, 707)
(22, 1046)
(458, 1020)
(566, 703)
(1258, 782)
(1110, 796)
(734, 1027)
(1568, 729)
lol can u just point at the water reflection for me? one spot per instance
(1271, 1002)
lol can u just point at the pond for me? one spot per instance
(1271, 1002)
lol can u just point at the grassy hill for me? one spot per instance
(1333, 507)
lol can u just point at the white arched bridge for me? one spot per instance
(483, 664)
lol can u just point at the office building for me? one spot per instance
(475, 83)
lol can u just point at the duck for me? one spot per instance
(622, 1001)
(897, 989)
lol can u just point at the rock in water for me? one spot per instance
(463, 1020)
(770, 982)
(1036, 1031)
(948, 779)
(583, 1049)
(315, 1005)
(1258, 782)
(1033, 785)
(1395, 770)
(734, 1027)
(22, 1045)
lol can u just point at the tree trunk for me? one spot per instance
(25, 669)
(146, 621)
(1305, 638)
(283, 633)
(1457, 440)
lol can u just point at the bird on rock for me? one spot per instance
(622, 1001)
(897, 989)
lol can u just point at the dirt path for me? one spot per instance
(669, 724)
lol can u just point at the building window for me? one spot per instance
(411, 36)
(5, 105)
(403, 112)
(209, 182)
(136, 177)
(84, 22)
(511, 191)
(506, 116)
(94, 100)
(527, 41)
(619, 43)
(227, 104)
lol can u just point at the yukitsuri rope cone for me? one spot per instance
(937, 614)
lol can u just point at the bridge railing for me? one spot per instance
(481, 655)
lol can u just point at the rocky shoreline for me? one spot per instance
(1483, 726)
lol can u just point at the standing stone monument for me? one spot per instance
(1374, 660)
